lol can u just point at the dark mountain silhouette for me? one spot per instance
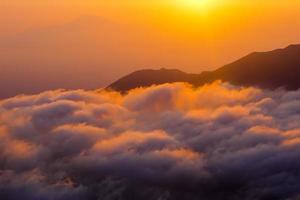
(92, 50)
(271, 70)
(143, 78)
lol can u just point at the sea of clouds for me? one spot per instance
(166, 142)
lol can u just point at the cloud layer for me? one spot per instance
(164, 142)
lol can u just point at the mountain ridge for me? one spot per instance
(270, 70)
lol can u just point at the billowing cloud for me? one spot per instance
(164, 142)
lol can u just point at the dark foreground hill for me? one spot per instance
(271, 70)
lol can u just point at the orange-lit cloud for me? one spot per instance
(169, 139)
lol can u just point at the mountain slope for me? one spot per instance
(274, 69)
(150, 77)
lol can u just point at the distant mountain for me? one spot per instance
(87, 53)
(274, 69)
(148, 77)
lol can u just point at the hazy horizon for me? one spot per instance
(97, 42)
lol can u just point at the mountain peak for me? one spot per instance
(148, 77)
(271, 70)
(293, 46)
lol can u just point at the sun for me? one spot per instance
(196, 4)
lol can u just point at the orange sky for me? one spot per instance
(190, 35)
(243, 26)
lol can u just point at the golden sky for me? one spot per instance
(224, 29)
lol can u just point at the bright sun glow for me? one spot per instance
(197, 4)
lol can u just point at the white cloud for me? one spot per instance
(172, 141)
